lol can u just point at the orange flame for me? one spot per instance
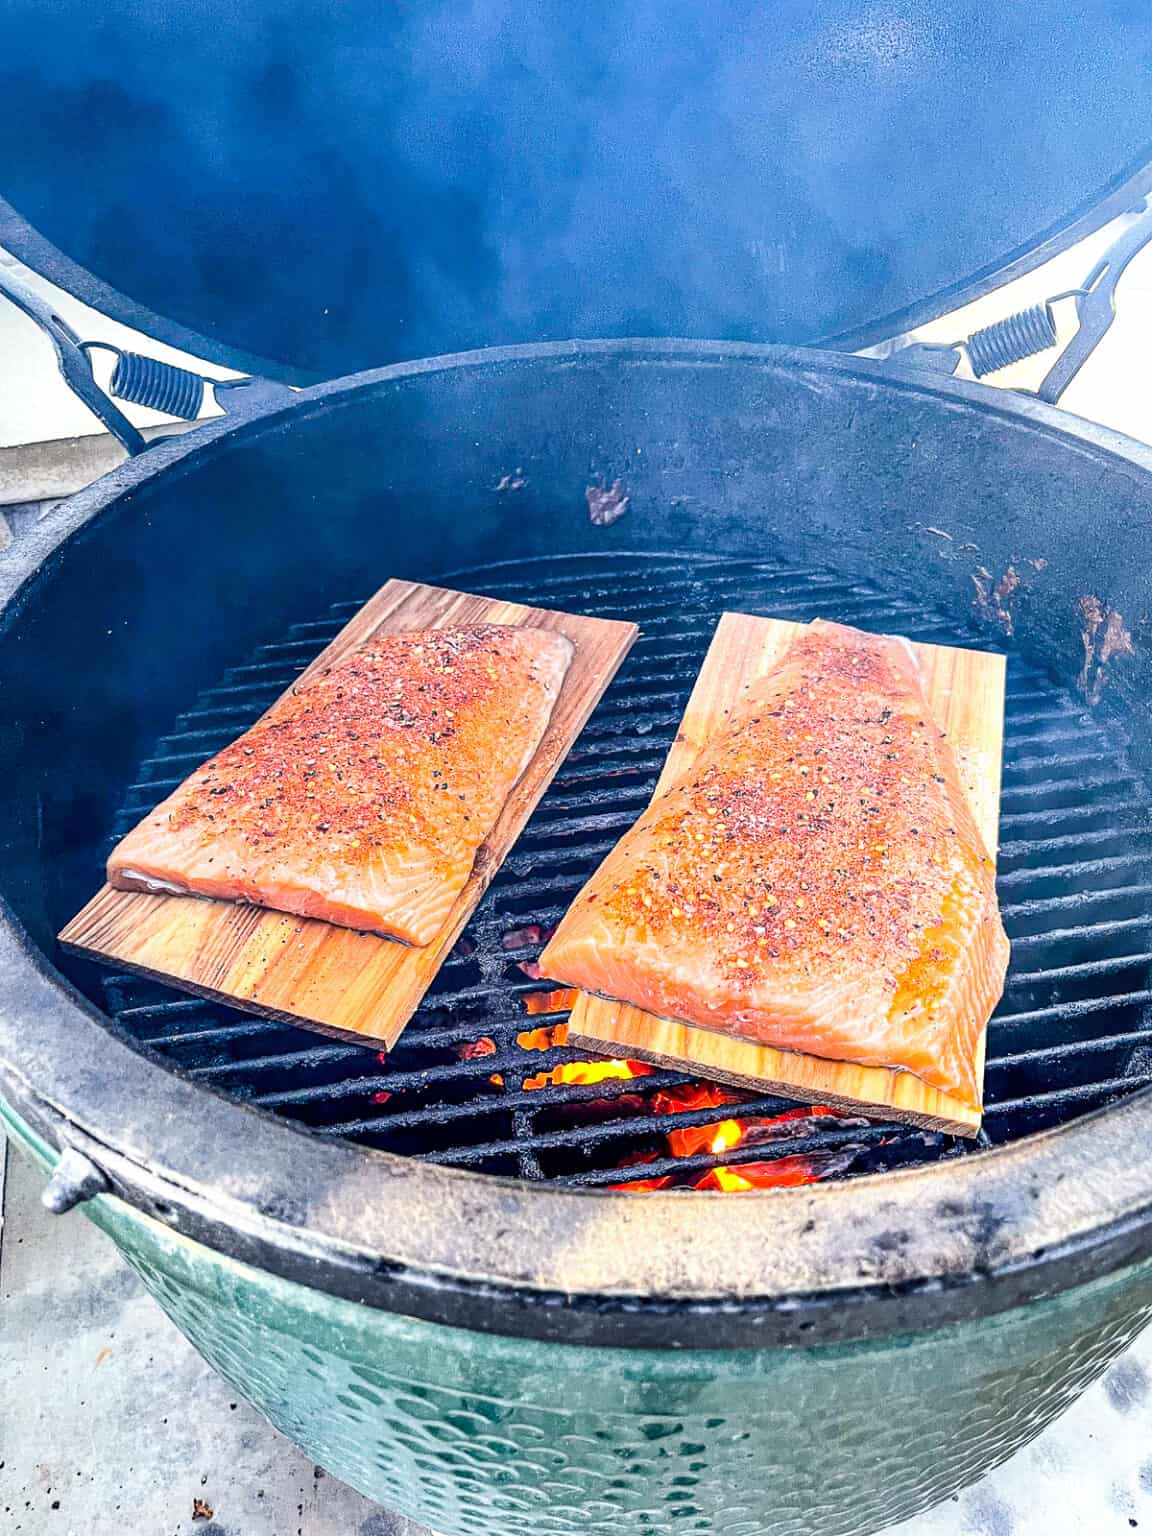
(784, 1173)
(691, 1096)
(549, 1035)
(472, 1050)
(729, 1133)
(717, 1137)
(725, 1179)
(721, 1136)
(551, 1002)
(586, 1072)
(544, 1038)
(634, 1161)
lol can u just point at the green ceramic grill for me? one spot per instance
(496, 1290)
(491, 1285)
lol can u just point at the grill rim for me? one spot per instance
(910, 1249)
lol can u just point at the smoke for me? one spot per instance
(341, 182)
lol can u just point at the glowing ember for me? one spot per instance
(727, 1135)
(718, 1137)
(518, 938)
(723, 1179)
(785, 1173)
(544, 1038)
(531, 969)
(559, 1001)
(586, 1072)
(634, 1161)
(497, 1078)
(549, 1035)
(692, 1096)
(382, 1097)
(472, 1050)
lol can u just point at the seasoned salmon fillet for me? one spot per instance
(364, 794)
(815, 882)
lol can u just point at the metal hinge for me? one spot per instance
(139, 379)
(1029, 332)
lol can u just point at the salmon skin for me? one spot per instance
(815, 882)
(364, 794)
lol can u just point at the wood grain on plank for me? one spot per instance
(966, 691)
(352, 985)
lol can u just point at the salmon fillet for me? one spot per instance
(816, 881)
(364, 794)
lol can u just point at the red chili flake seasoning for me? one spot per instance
(350, 763)
(792, 841)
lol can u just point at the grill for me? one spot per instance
(1073, 1032)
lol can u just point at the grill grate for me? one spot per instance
(1073, 1031)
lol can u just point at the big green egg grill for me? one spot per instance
(488, 1286)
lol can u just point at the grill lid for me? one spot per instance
(308, 189)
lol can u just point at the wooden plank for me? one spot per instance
(966, 691)
(352, 985)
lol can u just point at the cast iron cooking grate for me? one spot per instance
(464, 1085)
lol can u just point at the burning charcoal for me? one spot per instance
(473, 1050)
(520, 938)
(560, 1000)
(531, 969)
(717, 1138)
(798, 1122)
(544, 1038)
(606, 507)
(586, 1072)
(620, 1106)
(641, 1186)
(784, 1173)
(692, 1096)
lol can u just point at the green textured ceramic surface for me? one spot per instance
(477, 1435)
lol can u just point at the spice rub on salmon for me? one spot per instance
(364, 794)
(815, 882)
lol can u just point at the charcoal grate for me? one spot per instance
(1073, 1032)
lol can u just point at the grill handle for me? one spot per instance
(136, 378)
